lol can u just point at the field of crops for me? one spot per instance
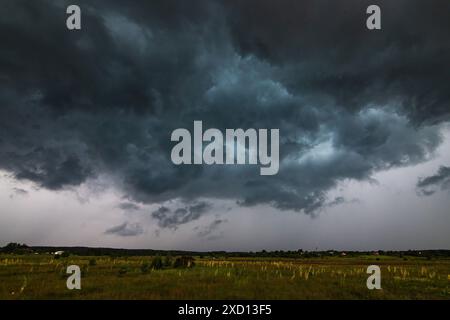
(44, 277)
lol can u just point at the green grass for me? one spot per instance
(43, 277)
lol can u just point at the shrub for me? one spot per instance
(184, 262)
(16, 248)
(123, 271)
(145, 267)
(168, 261)
(157, 263)
(92, 262)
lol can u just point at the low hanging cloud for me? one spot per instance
(431, 184)
(128, 206)
(209, 230)
(18, 192)
(126, 230)
(349, 102)
(172, 218)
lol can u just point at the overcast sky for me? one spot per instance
(86, 118)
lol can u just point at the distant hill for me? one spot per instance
(16, 248)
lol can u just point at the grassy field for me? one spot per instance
(44, 277)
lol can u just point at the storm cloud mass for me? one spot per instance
(104, 100)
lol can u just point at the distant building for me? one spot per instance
(58, 253)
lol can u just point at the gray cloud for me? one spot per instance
(207, 231)
(337, 201)
(128, 206)
(439, 181)
(126, 230)
(172, 218)
(341, 200)
(348, 102)
(18, 192)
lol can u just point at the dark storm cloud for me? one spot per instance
(126, 230)
(429, 185)
(325, 50)
(104, 100)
